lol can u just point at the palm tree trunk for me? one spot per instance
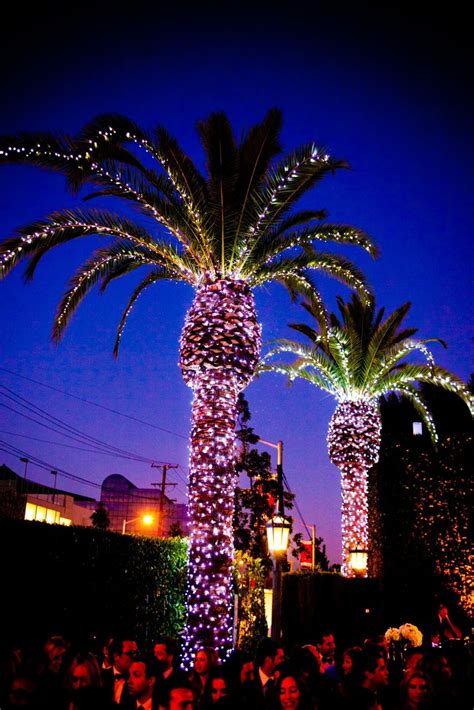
(220, 346)
(353, 445)
(212, 483)
(354, 514)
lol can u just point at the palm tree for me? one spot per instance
(223, 234)
(358, 360)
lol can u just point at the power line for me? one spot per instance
(47, 466)
(77, 448)
(59, 426)
(94, 404)
(302, 520)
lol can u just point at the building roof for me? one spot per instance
(24, 485)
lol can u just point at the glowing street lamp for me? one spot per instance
(146, 520)
(358, 560)
(278, 534)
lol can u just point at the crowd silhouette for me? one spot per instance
(60, 674)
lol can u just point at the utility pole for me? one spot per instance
(164, 468)
(55, 474)
(26, 462)
(313, 547)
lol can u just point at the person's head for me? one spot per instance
(247, 672)
(415, 688)
(181, 699)
(122, 651)
(142, 677)
(218, 685)
(280, 656)
(55, 649)
(290, 691)
(351, 660)
(437, 666)
(205, 660)
(166, 651)
(326, 644)
(413, 658)
(22, 692)
(374, 667)
(266, 655)
(83, 672)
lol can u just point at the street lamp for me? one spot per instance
(358, 560)
(146, 520)
(278, 533)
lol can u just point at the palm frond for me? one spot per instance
(412, 395)
(256, 151)
(187, 180)
(297, 219)
(393, 355)
(156, 275)
(382, 338)
(46, 150)
(299, 172)
(298, 370)
(101, 265)
(222, 166)
(309, 358)
(333, 265)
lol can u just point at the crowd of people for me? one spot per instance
(312, 676)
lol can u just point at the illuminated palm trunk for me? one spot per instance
(220, 346)
(353, 445)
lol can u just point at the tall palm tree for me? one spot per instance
(223, 234)
(358, 359)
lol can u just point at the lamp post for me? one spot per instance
(358, 560)
(146, 519)
(278, 532)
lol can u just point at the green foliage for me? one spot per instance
(93, 582)
(100, 517)
(254, 505)
(250, 583)
(175, 530)
(235, 221)
(421, 505)
(360, 356)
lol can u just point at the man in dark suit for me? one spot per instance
(141, 683)
(122, 651)
(166, 653)
(261, 692)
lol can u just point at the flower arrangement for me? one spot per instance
(407, 634)
(392, 634)
(411, 634)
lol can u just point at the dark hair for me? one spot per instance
(370, 656)
(172, 648)
(90, 662)
(355, 654)
(211, 654)
(408, 677)
(150, 663)
(322, 634)
(266, 648)
(115, 646)
(222, 673)
(290, 671)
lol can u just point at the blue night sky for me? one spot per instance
(385, 90)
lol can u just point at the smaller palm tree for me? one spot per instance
(358, 359)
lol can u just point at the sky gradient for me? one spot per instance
(389, 91)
